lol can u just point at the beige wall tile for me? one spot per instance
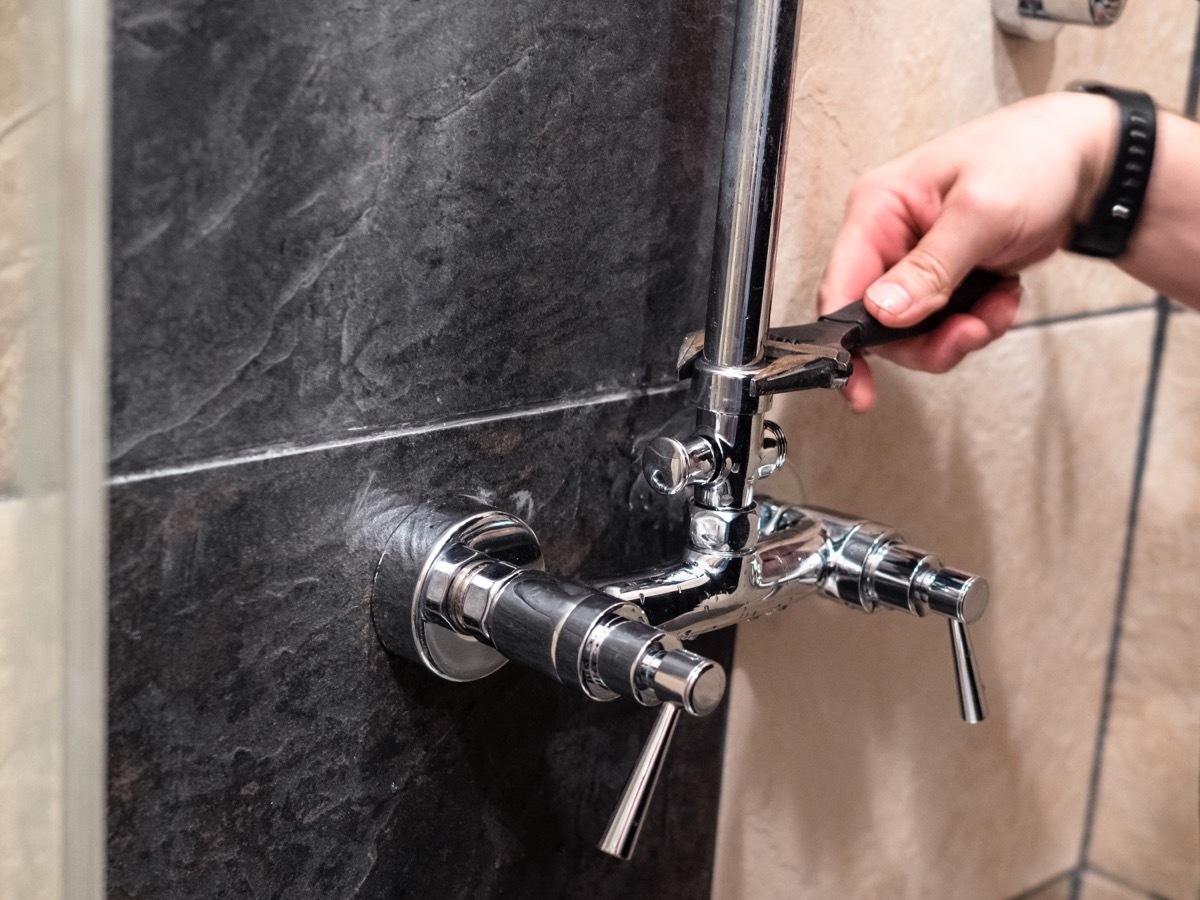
(877, 79)
(31, 664)
(848, 773)
(31, 667)
(1094, 886)
(19, 109)
(1058, 889)
(1147, 829)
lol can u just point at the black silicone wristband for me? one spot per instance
(1107, 233)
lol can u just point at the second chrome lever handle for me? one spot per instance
(699, 688)
(971, 699)
(869, 566)
(626, 823)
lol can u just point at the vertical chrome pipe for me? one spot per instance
(739, 304)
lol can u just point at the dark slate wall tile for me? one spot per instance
(332, 216)
(263, 744)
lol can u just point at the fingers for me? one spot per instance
(854, 263)
(945, 348)
(860, 389)
(970, 229)
(877, 230)
(912, 231)
(941, 350)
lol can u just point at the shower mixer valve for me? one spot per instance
(461, 588)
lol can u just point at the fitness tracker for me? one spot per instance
(1107, 233)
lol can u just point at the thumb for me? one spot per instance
(923, 280)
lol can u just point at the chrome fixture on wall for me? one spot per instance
(461, 588)
(1040, 20)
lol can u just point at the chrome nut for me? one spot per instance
(722, 531)
(774, 449)
(472, 594)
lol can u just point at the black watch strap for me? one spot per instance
(1107, 232)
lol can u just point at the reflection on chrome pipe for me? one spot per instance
(705, 592)
(748, 205)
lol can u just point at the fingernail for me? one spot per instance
(890, 296)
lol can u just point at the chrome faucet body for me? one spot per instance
(799, 551)
(461, 588)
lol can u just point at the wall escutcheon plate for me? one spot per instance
(398, 596)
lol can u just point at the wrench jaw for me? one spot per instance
(817, 354)
(800, 367)
(788, 365)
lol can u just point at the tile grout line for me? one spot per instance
(1086, 314)
(1193, 89)
(1131, 521)
(282, 451)
(1117, 880)
(1191, 102)
(1042, 885)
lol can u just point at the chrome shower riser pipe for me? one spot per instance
(756, 128)
(739, 304)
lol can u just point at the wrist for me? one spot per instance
(1093, 124)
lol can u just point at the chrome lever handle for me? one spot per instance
(869, 567)
(686, 682)
(971, 699)
(626, 823)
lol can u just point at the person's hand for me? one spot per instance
(1000, 193)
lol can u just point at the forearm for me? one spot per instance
(1165, 250)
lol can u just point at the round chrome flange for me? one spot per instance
(400, 596)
